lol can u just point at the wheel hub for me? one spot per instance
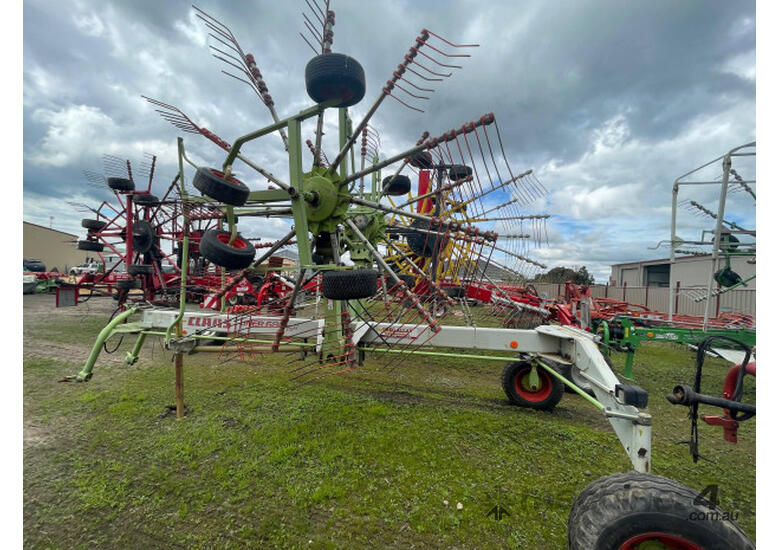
(659, 541)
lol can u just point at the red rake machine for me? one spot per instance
(381, 269)
(138, 240)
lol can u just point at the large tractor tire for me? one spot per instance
(634, 510)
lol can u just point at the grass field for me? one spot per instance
(371, 459)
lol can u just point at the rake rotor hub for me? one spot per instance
(326, 200)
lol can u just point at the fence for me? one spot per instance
(657, 298)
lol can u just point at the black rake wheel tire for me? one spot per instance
(143, 236)
(408, 280)
(212, 183)
(92, 224)
(629, 510)
(459, 171)
(396, 186)
(421, 160)
(335, 76)
(140, 269)
(423, 243)
(128, 284)
(349, 285)
(121, 184)
(455, 291)
(90, 245)
(146, 199)
(215, 248)
(515, 384)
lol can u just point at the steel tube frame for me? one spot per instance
(675, 194)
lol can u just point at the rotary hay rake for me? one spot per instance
(429, 242)
(150, 265)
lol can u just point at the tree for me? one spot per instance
(563, 274)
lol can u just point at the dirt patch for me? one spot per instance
(35, 435)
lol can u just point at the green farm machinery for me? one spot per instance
(372, 278)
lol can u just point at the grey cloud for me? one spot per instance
(554, 73)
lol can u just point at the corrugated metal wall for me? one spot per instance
(657, 298)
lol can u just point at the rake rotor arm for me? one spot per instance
(379, 165)
(389, 209)
(442, 189)
(432, 324)
(520, 257)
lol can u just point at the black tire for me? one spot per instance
(396, 186)
(635, 507)
(90, 245)
(215, 248)
(146, 200)
(128, 284)
(257, 281)
(212, 183)
(422, 160)
(143, 236)
(544, 399)
(458, 172)
(94, 225)
(409, 280)
(349, 285)
(423, 244)
(455, 291)
(121, 184)
(140, 269)
(335, 76)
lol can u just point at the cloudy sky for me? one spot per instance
(607, 101)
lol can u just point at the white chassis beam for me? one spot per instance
(563, 344)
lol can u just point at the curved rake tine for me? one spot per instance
(428, 31)
(244, 62)
(440, 63)
(322, 13)
(310, 26)
(309, 44)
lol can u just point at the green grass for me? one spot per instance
(363, 460)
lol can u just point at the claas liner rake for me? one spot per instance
(415, 257)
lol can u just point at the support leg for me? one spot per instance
(132, 356)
